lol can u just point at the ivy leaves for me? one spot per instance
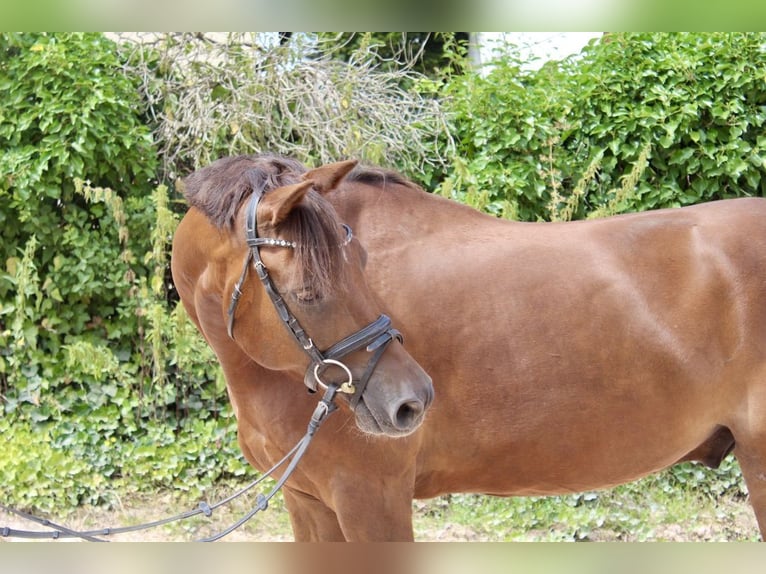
(77, 387)
(697, 100)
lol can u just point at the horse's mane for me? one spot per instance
(379, 177)
(219, 190)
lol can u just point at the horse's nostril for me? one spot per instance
(408, 413)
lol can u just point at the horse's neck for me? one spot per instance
(404, 214)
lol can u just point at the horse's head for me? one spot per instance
(294, 291)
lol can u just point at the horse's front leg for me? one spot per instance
(377, 510)
(368, 515)
(312, 520)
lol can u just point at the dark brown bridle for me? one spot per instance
(374, 337)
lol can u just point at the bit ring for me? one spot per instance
(347, 387)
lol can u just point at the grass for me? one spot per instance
(633, 513)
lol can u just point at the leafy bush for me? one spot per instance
(68, 112)
(101, 373)
(692, 104)
(55, 468)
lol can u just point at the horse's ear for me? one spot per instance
(278, 203)
(327, 177)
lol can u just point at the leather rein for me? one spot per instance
(374, 337)
(57, 531)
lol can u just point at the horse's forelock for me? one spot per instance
(318, 234)
(219, 189)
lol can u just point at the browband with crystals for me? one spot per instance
(272, 242)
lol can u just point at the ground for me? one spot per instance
(449, 519)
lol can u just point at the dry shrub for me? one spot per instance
(210, 95)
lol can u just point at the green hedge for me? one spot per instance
(683, 113)
(102, 376)
(67, 113)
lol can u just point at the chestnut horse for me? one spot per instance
(275, 280)
(565, 356)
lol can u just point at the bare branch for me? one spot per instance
(246, 93)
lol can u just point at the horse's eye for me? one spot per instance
(308, 296)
